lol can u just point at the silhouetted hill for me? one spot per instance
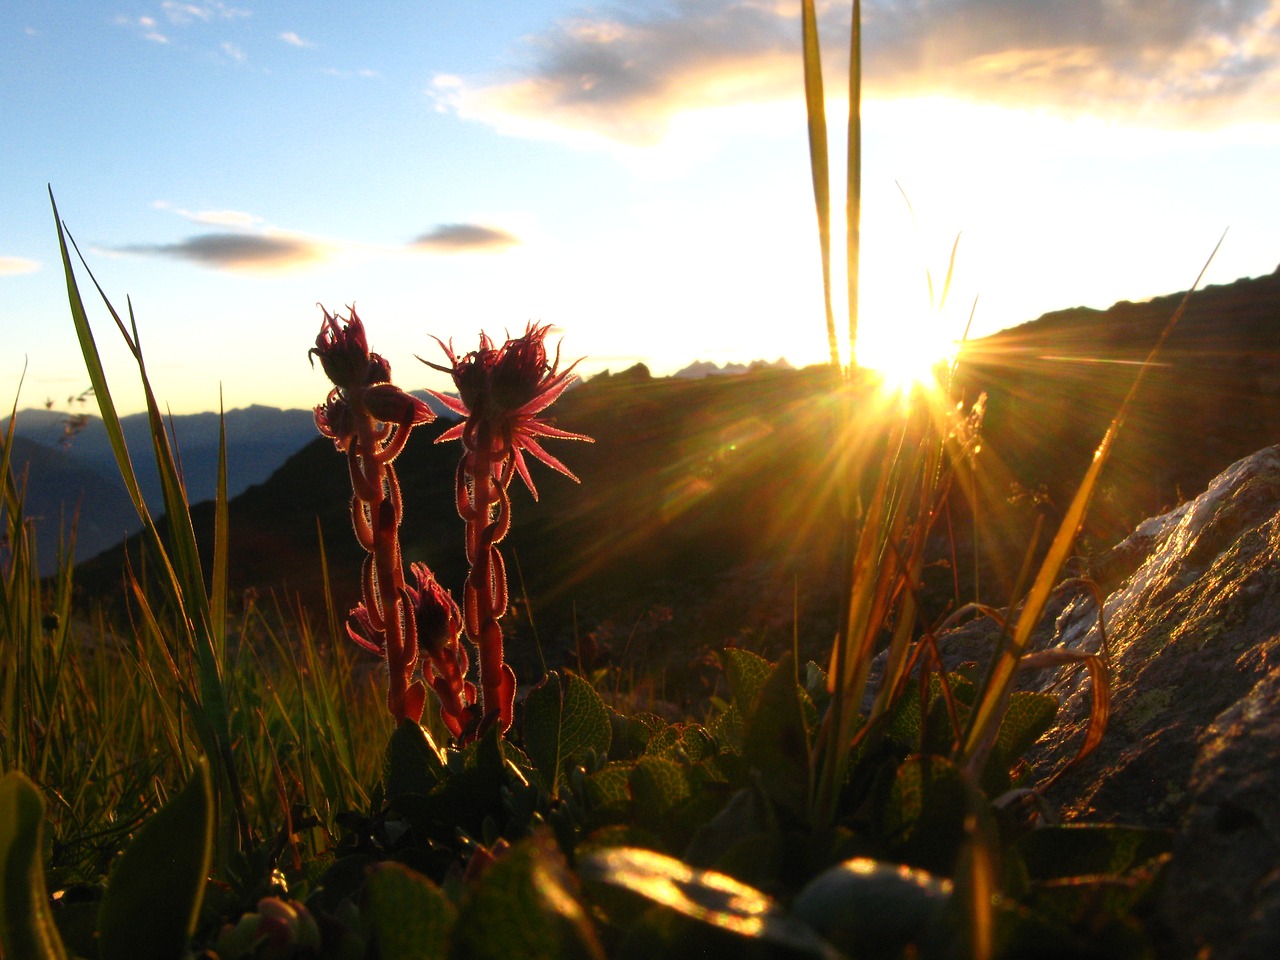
(1212, 397)
(707, 505)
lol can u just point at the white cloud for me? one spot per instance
(12, 266)
(234, 52)
(365, 73)
(217, 218)
(625, 76)
(294, 40)
(147, 26)
(184, 13)
(464, 238)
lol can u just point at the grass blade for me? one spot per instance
(853, 190)
(816, 110)
(985, 719)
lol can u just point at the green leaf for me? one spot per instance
(1029, 715)
(526, 905)
(608, 786)
(565, 720)
(776, 742)
(469, 791)
(658, 785)
(682, 742)
(411, 916)
(631, 733)
(412, 763)
(704, 895)
(153, 895)
(27, 931)
(746, 673)
(815, 108)
(926, 812)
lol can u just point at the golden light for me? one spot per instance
(908, 353)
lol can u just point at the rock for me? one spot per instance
(1190, 631)
(1192, 622)
(1223, 886)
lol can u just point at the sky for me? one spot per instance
(635, 174)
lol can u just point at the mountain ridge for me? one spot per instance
(1052, 385)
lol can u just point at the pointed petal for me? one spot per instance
(547, 396)
(453, 433)
(530, 444)
(522, 468)
(453, 403)
(540, 428)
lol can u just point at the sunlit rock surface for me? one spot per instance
(1192, 617)
(1192, 622)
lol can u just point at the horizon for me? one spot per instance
(638, 178)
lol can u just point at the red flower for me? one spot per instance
(437, 615)
(500, 392)
(344, 354)
(369, 419)
(439, 626)
(362, 391)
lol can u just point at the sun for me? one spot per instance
(906, 355)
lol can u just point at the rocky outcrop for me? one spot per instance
(1191, 618)
(1192, 625)
(1223, 888)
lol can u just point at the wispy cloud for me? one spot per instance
(294, 40)
(1176, 62)
(364, 73)
(146, 25)
(183, 13)
(12, 266)
(626, 75)
(216, 218)
(464, 238)
(240, 252)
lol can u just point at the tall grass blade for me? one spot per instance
(985, 720)
(218, 589)
(819, 163)
(853, 190)
(181, 576)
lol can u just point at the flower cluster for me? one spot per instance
(370, 419)
(501, 391)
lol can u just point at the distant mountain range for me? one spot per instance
(74, 472)
(705, 368)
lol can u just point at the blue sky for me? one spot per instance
(634, 173)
